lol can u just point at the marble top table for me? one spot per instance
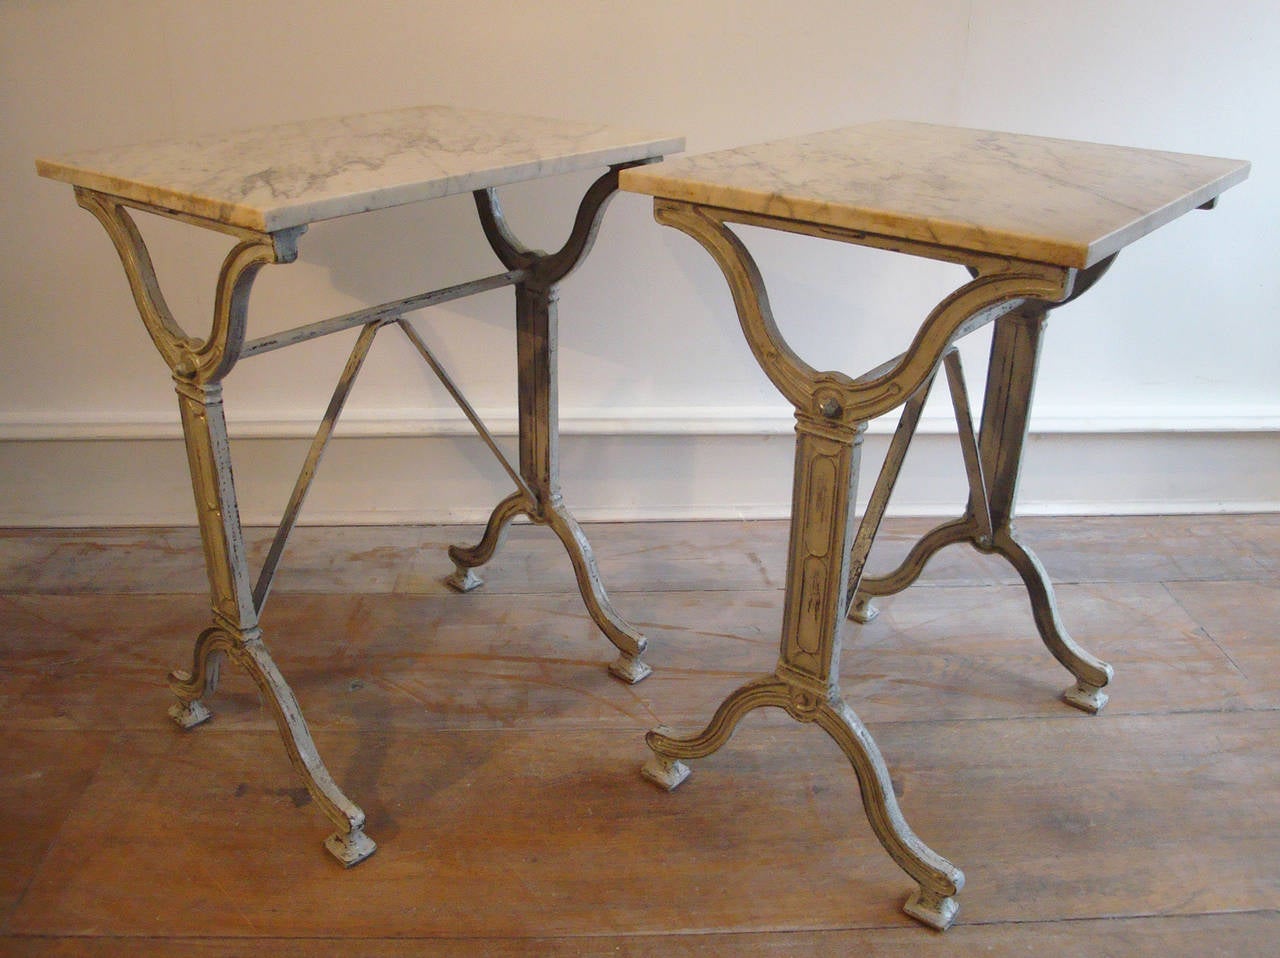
(289, 175)
(1035, 198)
(1036, 222)
(263, 187)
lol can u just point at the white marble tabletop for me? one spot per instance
(278, 177)
(1055, 201)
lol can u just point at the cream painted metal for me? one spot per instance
(263, 188)
(1036, 222)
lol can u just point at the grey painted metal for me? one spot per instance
(318, 445)
(538, 496)
(861, 608)
(885, 482)
(825, 581)
(199, 365)
(385, 312)
(467, 409)
(993, 462)
(979, 506)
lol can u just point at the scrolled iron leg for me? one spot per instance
(625, 638)
(198, 367)
(823, 573)
(348, 844)
(932, 903)
(539, 438)
(1092, 674)
(938, 880)
(1015, 350)
(191, 688)
(666, 768)
(465, 559)
(957, 530)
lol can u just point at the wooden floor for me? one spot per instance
(498, 762)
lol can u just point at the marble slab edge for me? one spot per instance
(957, 235)
(291, 174)
(701, 189)
(272, 220)
(1118, 240)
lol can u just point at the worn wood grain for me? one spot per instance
(43, 777)
(1247, 935)
(551, 834)
(498, 761)
(507, 661)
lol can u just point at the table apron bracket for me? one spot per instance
(1001, 286)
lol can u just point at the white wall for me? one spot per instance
(1158, 390)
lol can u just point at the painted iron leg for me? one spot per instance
(235, 632)
(958, 530)
(975, 526)
(198, 367)
(536, 334)
(806, 680)
(993, 463)
(625, 638)
(539, 467)
(209, 459)
(467, 559)
(1015, 352)
(348, 844)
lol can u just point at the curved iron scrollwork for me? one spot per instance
(190, 358)
(826, 559)
(549, 268)
(538, 479)
(349, 844)
(831, 395)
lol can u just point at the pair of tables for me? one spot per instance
(1036, 222)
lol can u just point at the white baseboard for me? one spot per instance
(714, 464)
(774, 420)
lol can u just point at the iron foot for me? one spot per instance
(932, 909)
(665, 772)
(1086, 697)
(350, 848)
(629, 668)
(863, 609)
(189, 714)
(463, 579)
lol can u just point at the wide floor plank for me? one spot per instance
(497, 760)
(1247, 935)
(552, 833)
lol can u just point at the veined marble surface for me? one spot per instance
(1053, 201)
(276, 177)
